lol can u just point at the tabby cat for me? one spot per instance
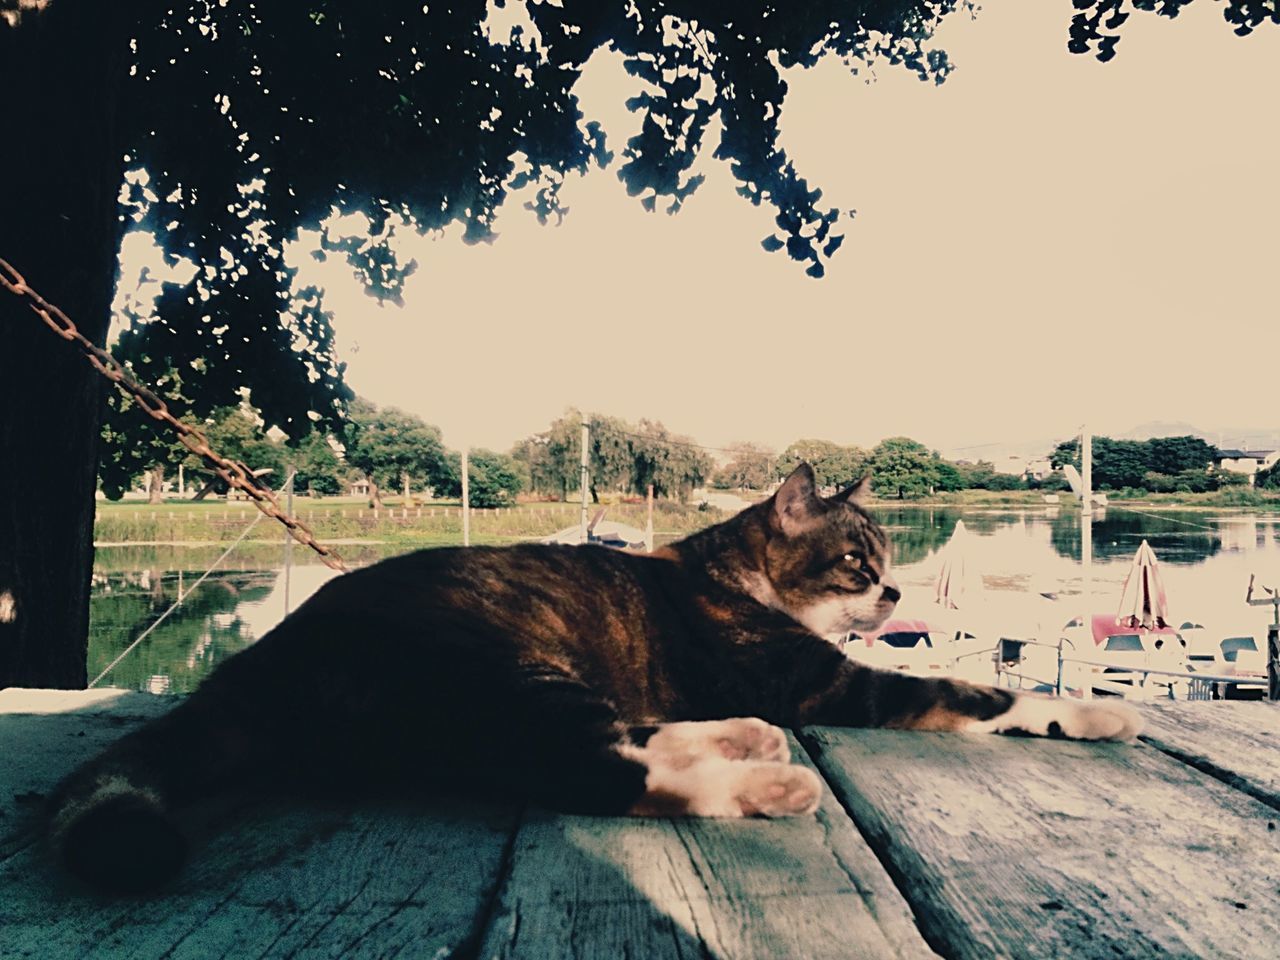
(581, 678)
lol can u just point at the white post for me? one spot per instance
(586, 436)
(466, 497)
(182, 485)
(648, 526)
(1086, 551)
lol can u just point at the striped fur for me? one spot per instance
(581, 678)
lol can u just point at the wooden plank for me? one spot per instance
(594, 887)
(1016, 847)
(278, 881)
(1235, 741)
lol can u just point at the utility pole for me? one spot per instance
(584, 477)
(466, 497)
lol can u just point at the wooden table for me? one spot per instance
(963, 846)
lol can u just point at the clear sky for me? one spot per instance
(1042, 241)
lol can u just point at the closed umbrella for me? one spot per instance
(959, 583)
(1142, 601)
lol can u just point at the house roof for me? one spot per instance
(1244, 454)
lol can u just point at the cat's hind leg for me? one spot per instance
(569, 751)
(735, 738)
(716, 787)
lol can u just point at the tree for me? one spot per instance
(751, 467)
(237, 433)
(1268, 478)
(833, 465)
(388, 445)
(903, 468)
(319, 471)
(674, 464)
(413, 114)
(1170, 455)
(493, 479)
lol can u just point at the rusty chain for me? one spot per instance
(234, 473)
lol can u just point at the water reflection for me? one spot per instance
(218, 618)
(1118, 533)
(1207, 561)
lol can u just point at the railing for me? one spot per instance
(1199, 685)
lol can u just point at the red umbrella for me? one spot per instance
(1143, 602)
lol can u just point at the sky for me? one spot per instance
(1042, 242)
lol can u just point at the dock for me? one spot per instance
(926, 844)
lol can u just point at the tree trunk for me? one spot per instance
(155, 484)
(60, 171)
(375, 495)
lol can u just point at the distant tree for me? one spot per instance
(132, 446)
(561, 453)
(833, 465)
(950, 477)
(1066, 452)
(674, 464)
(750, 467)
(978, 476)
(387, 445)
(237, 433)
(535, 459)
(1225, 479)
(612, 460)
(493, 479)
(1116, 463)
(903, 468)
(1005, 482)
(1119, 463)
(320, 471)
(1053, 482)
(1269, 478)
(1171, 455)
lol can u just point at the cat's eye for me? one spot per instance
(856, 561)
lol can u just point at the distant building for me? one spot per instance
(1036, 468)
(1248, 462)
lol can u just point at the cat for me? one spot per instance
(578, 677)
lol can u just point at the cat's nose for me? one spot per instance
(889, 591)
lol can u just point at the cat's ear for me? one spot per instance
(857, 492)
(796, 500)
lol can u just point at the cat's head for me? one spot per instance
(826, 559)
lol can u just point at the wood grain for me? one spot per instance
(807, 887)
(1236, 741)
(278, 881)
(1012, 847)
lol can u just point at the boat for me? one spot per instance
(921, 647)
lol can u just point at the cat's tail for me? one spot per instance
(111, 822)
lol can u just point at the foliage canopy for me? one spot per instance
(423, 115)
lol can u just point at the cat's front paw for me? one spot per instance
(1065, 718)
(1102, 720)
(777, 790)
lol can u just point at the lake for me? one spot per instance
(1206, 560)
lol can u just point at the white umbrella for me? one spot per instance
(1142, 601)
(959, 583)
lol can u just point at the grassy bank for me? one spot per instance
(344, 519)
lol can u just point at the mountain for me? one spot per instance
(1223, 437)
